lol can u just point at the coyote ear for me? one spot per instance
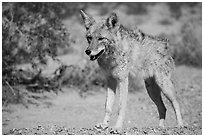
(88, 21)
(112, 20)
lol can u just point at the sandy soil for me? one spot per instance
(67, 113)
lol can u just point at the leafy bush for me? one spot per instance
(31, 31)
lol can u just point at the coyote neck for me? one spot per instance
(115, 59)
(133, 35)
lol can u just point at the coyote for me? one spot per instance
(121, 52)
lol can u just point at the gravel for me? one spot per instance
(57, 130)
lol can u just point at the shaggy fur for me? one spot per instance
(121, 52)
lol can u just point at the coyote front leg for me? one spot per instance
(110, 97)
(122, 89)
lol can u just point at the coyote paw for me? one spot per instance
(116, 131)
(161, 123)
(183, 124)
(161, 126)
(101, 126)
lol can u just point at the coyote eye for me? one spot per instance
(89, 39)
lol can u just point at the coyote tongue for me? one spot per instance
(94, 57)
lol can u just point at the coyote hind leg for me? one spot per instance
(155, 94)
(168, 89)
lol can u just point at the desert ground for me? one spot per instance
(68, 113)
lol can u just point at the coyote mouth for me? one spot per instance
(94, 57)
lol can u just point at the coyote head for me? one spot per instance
(100, 35)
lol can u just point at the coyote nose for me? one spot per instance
(88, 52)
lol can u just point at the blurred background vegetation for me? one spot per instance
(43, 44)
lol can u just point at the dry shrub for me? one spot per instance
(188, 50)
(86, 79)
